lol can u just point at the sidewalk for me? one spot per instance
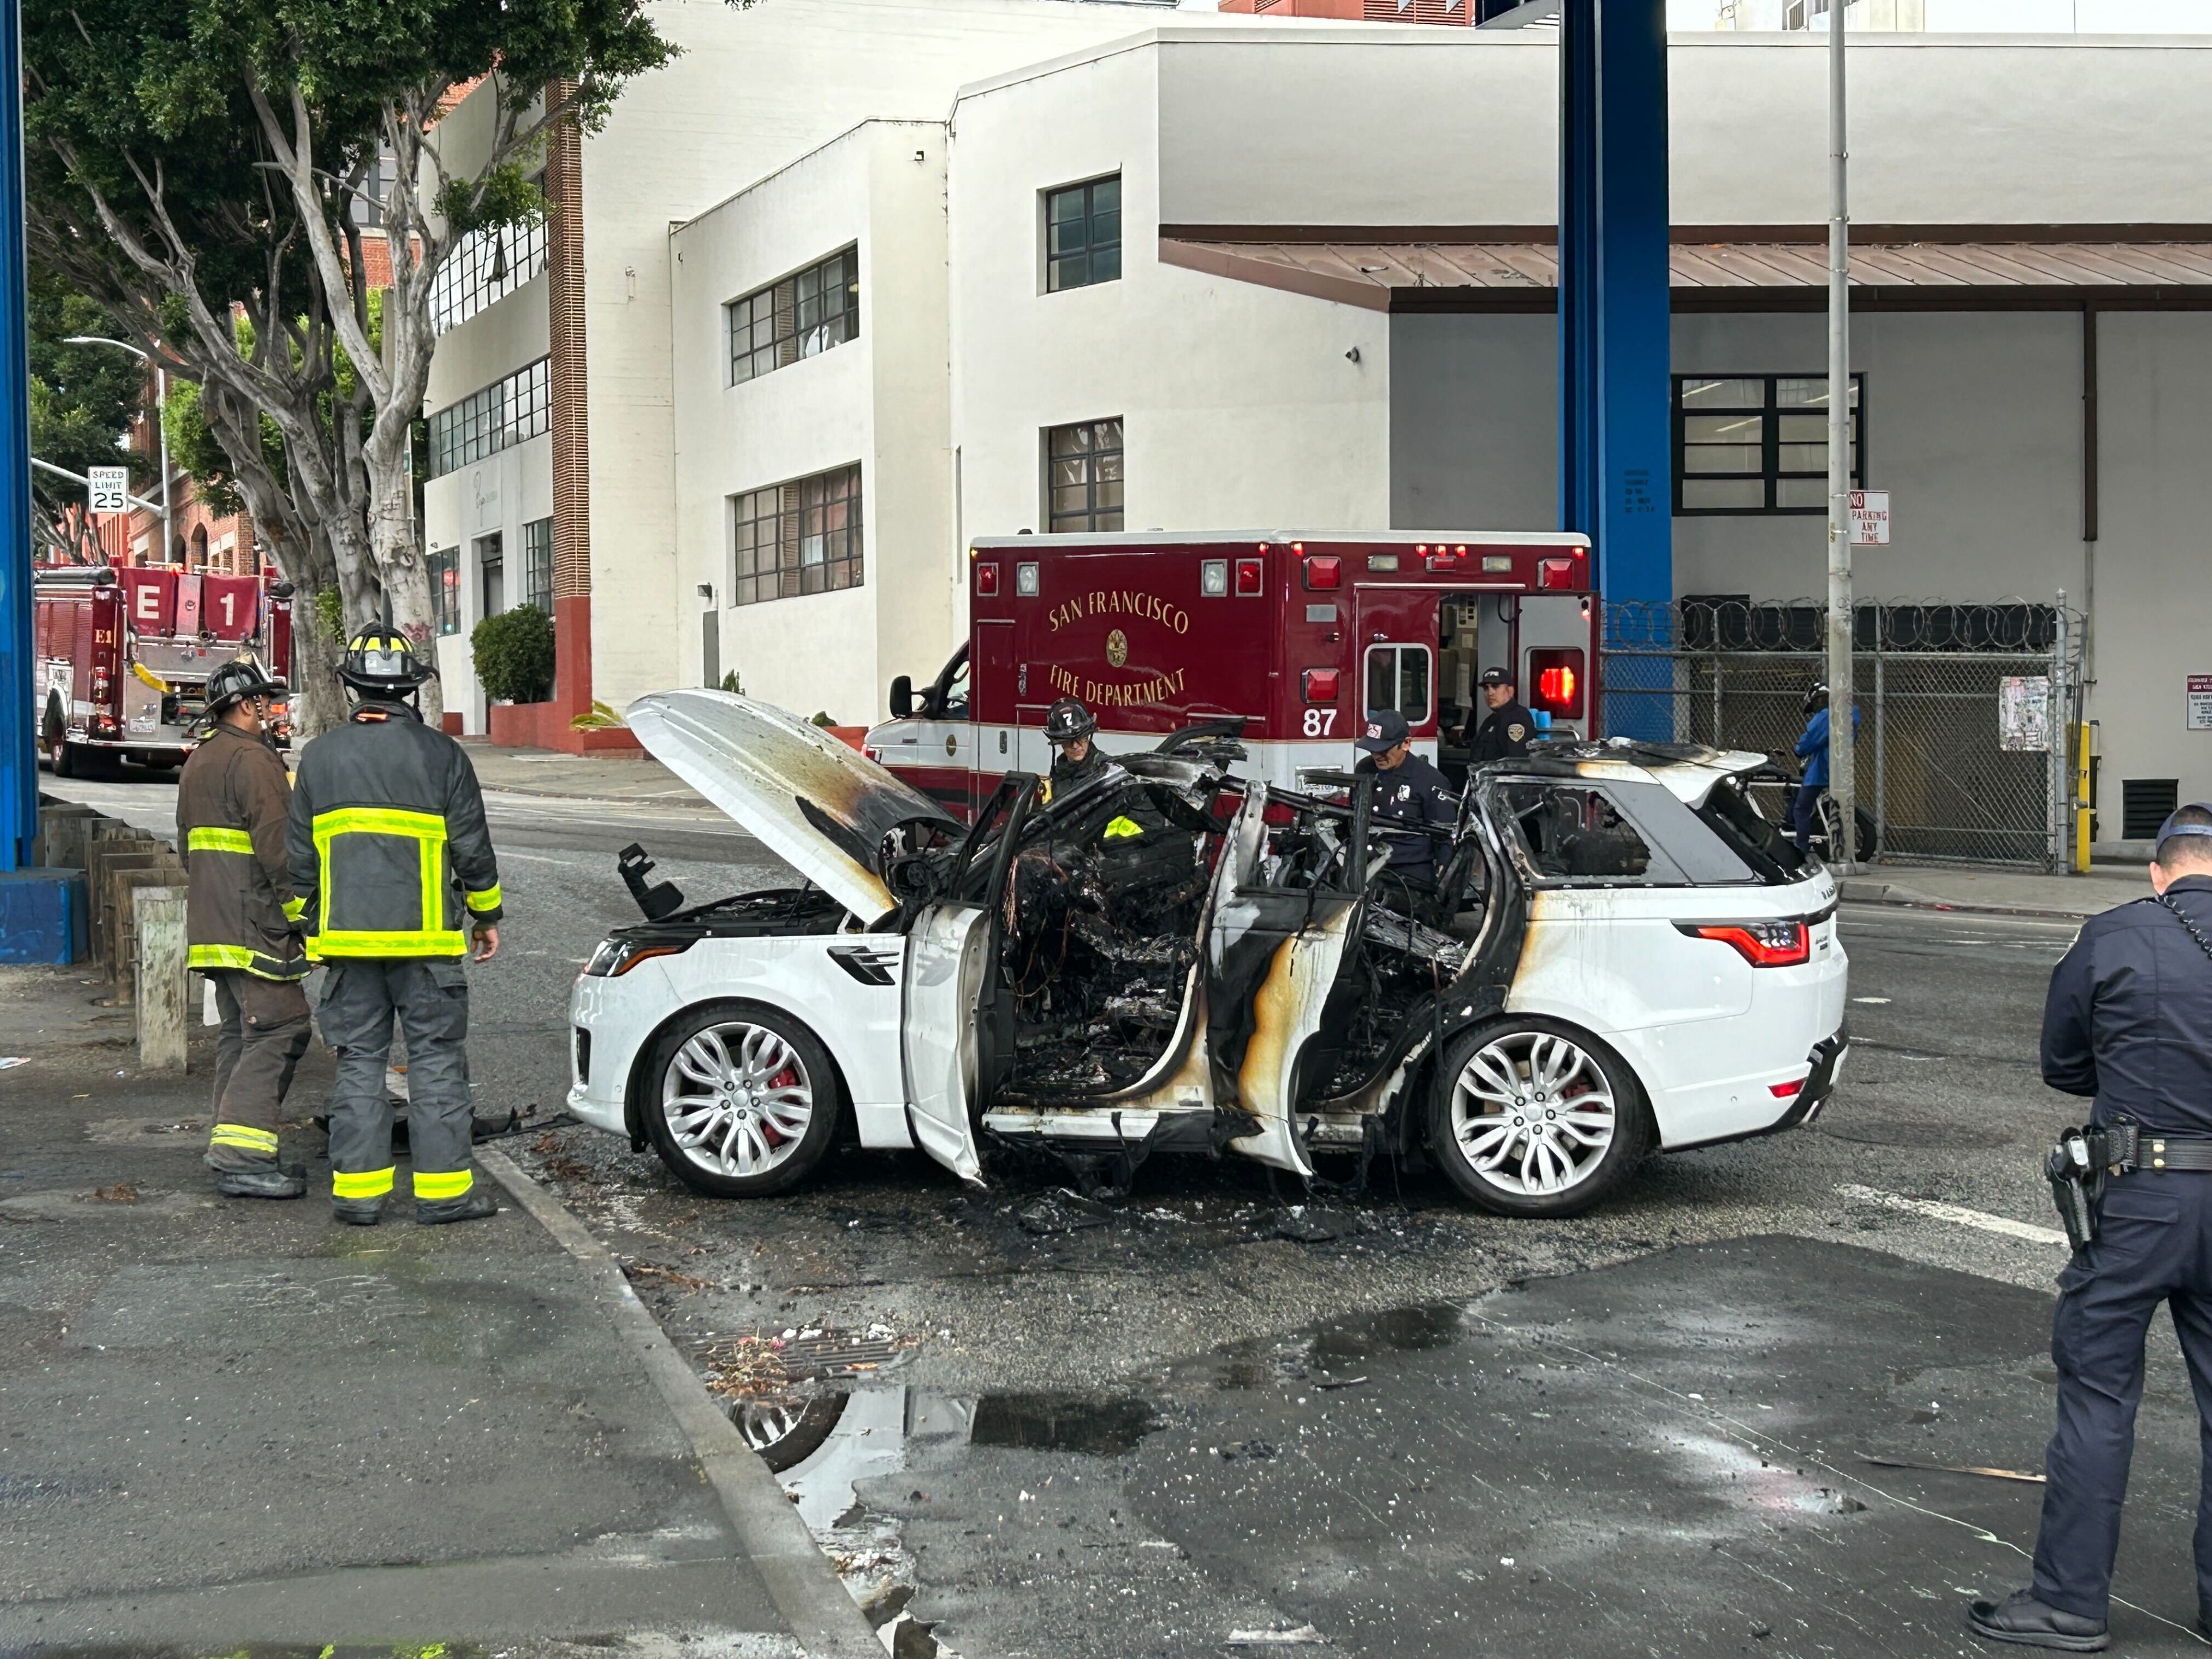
(232, 1422)
(2019, 891)
(608, 777)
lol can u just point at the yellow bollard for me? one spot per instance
(2081, 798)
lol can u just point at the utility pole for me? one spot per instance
(1842, 729)
(19, 767)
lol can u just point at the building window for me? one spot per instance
(1083, 475)
(1082, 235)
(538, 564)
(491, 573)
(483, 266)
(444, 565)
(799, 537)
(505, 413)
(1759, 443)
(802, 316)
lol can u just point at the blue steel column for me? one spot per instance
(1615, 436)
(19, 769)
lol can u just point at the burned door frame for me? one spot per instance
(951, 1051)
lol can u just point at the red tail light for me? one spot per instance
(1251, 578)
(1557, 574)
(1320, 684)
(987, 580)
(1761, 944)
(1324, 572)
(1785, 1090)
(1557, 683)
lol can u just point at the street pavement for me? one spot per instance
(1223, 1408)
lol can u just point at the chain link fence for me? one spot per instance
(1964, 711)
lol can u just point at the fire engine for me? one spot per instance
(122, 655)
(1283, 640)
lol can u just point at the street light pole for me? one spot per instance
(160, 407)
(1843, 781)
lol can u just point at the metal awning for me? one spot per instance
(1444, 275)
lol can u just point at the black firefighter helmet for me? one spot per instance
(235, 682)
(381, 663)
(1067, 720)
(1816, 698)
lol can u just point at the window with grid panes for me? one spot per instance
(1759, 443)
(1083, 475)
(802, 316)
(444, 568)
(538, 564)
(483, 266)
(799, 537)
(508, 411)
(1082, 235)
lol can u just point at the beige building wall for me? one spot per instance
(881, 400)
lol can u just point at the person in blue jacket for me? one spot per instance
(1813, 749)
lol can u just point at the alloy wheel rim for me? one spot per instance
(737, 1099)
(1533, 1115)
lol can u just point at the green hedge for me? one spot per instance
(513, 653)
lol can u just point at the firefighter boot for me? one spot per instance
(268, 1181)
(357, 1211)
(474, 1205)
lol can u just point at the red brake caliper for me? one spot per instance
(782, 1080)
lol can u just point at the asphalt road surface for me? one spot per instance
(1222, 1407)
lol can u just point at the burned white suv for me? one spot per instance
(1616, 952)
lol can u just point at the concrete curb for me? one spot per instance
(1879, 892)
(693, 805)
(806, 1591)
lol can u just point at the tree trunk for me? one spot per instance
(399, 564)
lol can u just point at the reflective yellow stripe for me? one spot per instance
(438, 1186)
(240, 1134)
(294, 908)
(427, 830)
(487, 900)
(1119, 828)
(207, 838)
(220, 956)
(349, 942)
(369, 1183)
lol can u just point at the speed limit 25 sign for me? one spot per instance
(111, 489)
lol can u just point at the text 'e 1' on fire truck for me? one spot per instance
(1299, 636)
(121, 655)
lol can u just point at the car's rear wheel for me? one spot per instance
(742, 1101)
(1533, 1117)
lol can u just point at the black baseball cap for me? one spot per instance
(1386, 729)
(1494, 676)
(2170, 828)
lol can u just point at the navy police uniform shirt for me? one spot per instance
(2129, 1019)
(1504, 735)
(1413, 795)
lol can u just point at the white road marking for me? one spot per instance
(1957, 1213)
(1872, 1000)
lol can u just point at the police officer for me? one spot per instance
(390, 855)
(231, 803)
(1071, 730)
(1504, 732)
(1412, 799)
(2128, 1021)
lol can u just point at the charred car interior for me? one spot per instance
(1168, 956)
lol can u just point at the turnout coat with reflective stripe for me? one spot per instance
(231, 802)
(389, 851)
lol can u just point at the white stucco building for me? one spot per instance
(1305, 277)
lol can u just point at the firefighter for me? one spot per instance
(231, 802)
(1071, 730)
(1413, 801)
(390, 856)
(1505, 732)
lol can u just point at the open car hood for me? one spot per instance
(816, 803)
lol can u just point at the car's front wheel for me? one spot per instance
(1532, 1117)
(743, 1100)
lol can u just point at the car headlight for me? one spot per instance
(616, 958)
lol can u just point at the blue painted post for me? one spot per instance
(1615, 413)
(19, 767)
